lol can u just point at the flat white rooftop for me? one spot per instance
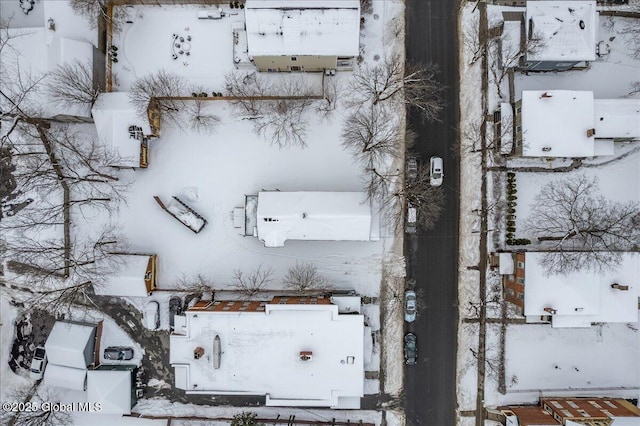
(617, 118)
(318, 216)
(583, 297)
(567, 29)
(290, 28)
(555, 123)
(260, 355)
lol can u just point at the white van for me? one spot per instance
(152, 315)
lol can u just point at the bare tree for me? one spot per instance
(386, 80)
(96, 10)
(330, 89)
(393, 194)
(304, 276)
(471, 38)
(276, 109)
(372, 134)
(36, 417)
(167, 89)
(253, 282)
(72, 84)
(198, 114)
(582, 229)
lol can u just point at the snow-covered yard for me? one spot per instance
(207, 44)
(533, 351)
(213, 174)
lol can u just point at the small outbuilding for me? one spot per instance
(134, 275)
(71, 347)
(113, 387)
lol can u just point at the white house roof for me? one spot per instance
(555, 123)
(65, 377)
(261, 355)
(286, 216)
(39, 53)
(617, 118)
(113, 114)
(66, 343)
(292, 28)
(583, 297)
(112, 388)
(127, 279)
(567, 29)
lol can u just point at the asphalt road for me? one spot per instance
(430, 386)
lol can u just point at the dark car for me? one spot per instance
(118, 353)
(175, 308)
(410, 349)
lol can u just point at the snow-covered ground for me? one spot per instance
(213, 173)
(533, 351)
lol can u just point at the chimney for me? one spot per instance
(546, 95)
(591, 133)
(550, 310)
(306, 355)
(617, 286)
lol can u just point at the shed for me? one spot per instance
(65, 377)
(134, 275)
(112, 386)
(71, 344)
(121, 127)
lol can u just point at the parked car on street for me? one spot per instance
(412, 220)
(38, 363)
(175, 308)
(118, 353)
(435, 171)
(152, 315)
(412, 168)
(410, 349)
(410, 306)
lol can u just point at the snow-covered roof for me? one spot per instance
(112, 388)
(40, 52)
(617, 118)
(127, 279)
(291, 28)
(567, 30)
(582, 297)
(329, 216)
(261, 354)
(113, 115)
(66, 343)
(510, 44)
(555, 123)
(506, 263)
(65, 377)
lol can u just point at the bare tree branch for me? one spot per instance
(72, 84)
(253, 282)
(582, 229)
(304, 276)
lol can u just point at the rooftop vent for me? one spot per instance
(306, 355)
(582, 24)
(546, 148)
(546, 95)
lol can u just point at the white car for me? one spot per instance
(152, 315)
(410, 306)
(38, 363)
(436, 174)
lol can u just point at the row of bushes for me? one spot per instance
(511, 212)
